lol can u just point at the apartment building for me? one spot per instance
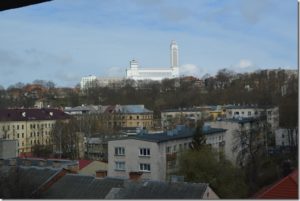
(120, 116)
(171, 117)
(227, 138)
(29, 126)
(271, 113)
(155, 155)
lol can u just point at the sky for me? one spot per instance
(64, 40)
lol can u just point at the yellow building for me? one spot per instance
(29, 126)
(120, 116)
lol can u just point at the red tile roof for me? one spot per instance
(286, 188)
(31, 114)
(84, 163)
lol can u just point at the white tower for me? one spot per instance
(174, 54)
(174, 59)
(133, 71)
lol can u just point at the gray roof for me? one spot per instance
(73, 186)
(161, 190)
(179, 133)
(35, 176)
(209, 131)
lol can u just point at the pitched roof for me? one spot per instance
(161, 190)
(36, 175)
(73, 186)
(286, 188)
(92, 167)
(32, 114)
(83, 163)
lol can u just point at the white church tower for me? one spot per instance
(174, 59)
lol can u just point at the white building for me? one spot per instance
(87, 81)
(226, 139)
(153, 154)
(286, 137)
(136, 73)
(272, 114)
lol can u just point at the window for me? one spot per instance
(282, 135)
(22, 126)
(119, 151)
(175, 148)
(18, 127)
(180, 147)
(168, 150)
(145, 167)
(185, 145)
(144, 152)
(137, 117)
(22, 135)
(249, 113)
(120, 165)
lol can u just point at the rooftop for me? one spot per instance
(179, 133)
(127, 109)
(32, 114)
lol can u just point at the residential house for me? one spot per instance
(153, 154)
(29, 126)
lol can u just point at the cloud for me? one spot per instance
(190, 69)
(243, 66)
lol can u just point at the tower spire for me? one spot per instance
(174, 54)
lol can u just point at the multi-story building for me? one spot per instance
(171, 117)
(88, 81)
(120, 116)
(230, 135)
(271, 114)
(29, 126)
(136, 73)
(153, 154)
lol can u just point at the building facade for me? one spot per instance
(124, 116)
(29, 126)
(153, 154)
(87, 81)
(136, 73)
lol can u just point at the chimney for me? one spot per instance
(101, 173)
(135, 176)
